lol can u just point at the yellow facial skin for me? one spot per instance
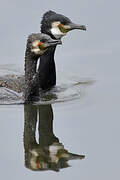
(58, 30)
(38, 47)
(42, 46)
(63, 28)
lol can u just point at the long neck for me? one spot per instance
(30, 121)
(30, 71)
(47, 70)
(46, 135)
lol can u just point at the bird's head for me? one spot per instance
(57, 25)
(39, 43)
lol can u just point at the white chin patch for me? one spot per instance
(37, 51)
(57, 33)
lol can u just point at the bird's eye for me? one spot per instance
(43, 40)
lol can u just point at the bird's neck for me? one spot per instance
(47, 70)
(30, 67)
(30, 71)
(45, 128)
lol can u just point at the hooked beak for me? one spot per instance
(72, 26)
(53, 42)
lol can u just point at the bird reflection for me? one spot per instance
(46, 153)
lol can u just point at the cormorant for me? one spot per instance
(45, 152)
(56, 26)
(37, 44)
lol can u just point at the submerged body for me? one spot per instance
(13, 82)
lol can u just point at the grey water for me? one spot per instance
(76, 135)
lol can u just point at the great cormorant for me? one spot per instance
(56, 26)
(37, 44)
(45, 152)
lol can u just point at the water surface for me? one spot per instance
(87, 126)
(86, 116)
